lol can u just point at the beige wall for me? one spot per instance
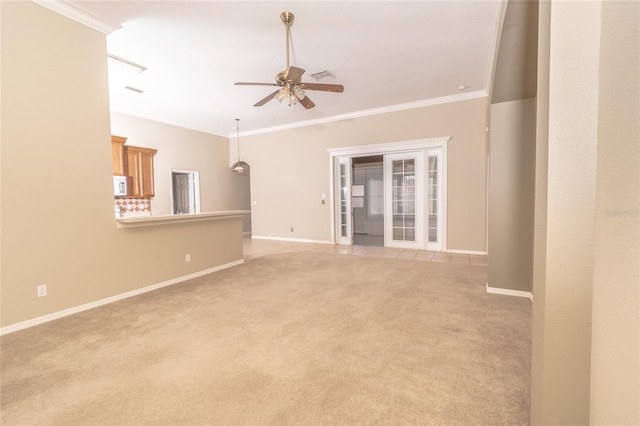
(58, 225)
(290, 169)
(511, 194)
(538, 380)
(185, 149)
(572, 136)
(615, 352)
(586, 313)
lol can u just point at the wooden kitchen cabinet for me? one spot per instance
(117, 154)
(139, 170)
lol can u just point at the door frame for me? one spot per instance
(391, 148)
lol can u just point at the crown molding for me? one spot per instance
(72, 11)
(365, 113)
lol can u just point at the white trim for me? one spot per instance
(70, 311)
(79, 14)
(368, 112)
(473, 252)
(509, 292)
(246, 234)
(390, 147)
(293, 240)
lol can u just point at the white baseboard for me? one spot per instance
(246, 234)
(509, 292)
(293, 240)
(76, 309)
(473, 252)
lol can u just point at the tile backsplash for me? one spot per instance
(131, 207)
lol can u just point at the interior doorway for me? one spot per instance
(390, 195)
(368, 201)
(185, 192)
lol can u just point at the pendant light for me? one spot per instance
(239, 166)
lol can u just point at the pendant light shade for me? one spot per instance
(239, 166)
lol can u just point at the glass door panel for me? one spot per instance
(403, 220)
(343, 200)
(434, 198)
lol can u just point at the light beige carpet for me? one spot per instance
(298, 338)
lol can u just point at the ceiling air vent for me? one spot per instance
(323, 76)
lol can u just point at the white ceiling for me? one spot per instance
(387, 54)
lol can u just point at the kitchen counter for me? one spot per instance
(178, 218)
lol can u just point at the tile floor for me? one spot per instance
(257, 247)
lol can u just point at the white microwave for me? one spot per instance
(119, 186)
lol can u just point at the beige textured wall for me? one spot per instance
(185, 149)
(538, 380)
(615, 361)
(562, 310)
(56, 147)
(511, 194)
(290, 169)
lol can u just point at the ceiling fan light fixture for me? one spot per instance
(282, 94)
(290, 80)
(300, 94)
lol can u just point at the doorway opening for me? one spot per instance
(185, 192)
(391, 194)
(368, 201)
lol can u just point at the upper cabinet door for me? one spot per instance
(146, 174)
(139, 168)
(117, 154)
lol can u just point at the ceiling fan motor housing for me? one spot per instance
(287, 18)
(281, 78)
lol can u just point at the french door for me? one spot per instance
(415, 197)
(404, 212)
(344, 220)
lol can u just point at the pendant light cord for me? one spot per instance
(238, 136)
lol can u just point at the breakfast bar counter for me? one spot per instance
(178, 218)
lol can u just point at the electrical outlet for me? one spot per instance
(41, 290)
(292, 229)
(187, 257)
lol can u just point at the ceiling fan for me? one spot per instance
(290, 80)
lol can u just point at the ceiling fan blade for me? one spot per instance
(337, 88)
(306, 102)
(266, 99)
(242, 83)
(294, 74)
